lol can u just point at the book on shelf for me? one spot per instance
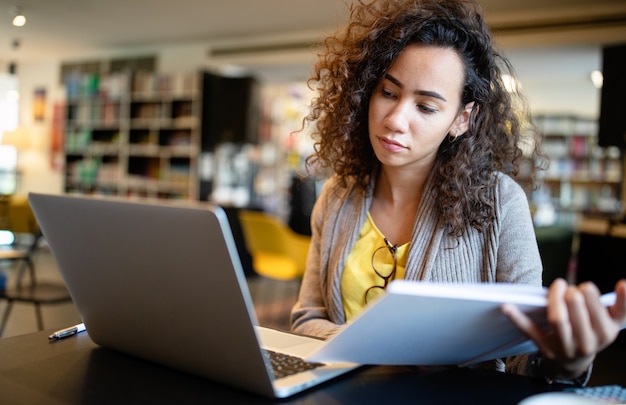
(421, 323)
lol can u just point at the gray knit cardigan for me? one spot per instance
(506, 252)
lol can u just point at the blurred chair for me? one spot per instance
(601, 258)
(232, 213)
(277, 251)
(23, 286)
(302, 194)
(555, 248)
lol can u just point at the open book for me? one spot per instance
(421, 323)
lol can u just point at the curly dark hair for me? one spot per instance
(356, 58)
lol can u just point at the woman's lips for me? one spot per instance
(391, 145)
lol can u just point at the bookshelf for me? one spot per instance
(133, 134)
(583, 177)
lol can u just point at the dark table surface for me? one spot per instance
(75, 370)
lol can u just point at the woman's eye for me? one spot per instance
(386, 93)
(426, 108)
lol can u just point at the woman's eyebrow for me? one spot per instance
(428, 93)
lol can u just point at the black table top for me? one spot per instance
(75, 370)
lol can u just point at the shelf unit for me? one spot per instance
(133, 134)
(582, 177)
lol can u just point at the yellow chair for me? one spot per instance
(24, 286)
(277, 251)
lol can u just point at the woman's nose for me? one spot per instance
(397, 118)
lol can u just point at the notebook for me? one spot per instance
(163, 282)
(460, 324)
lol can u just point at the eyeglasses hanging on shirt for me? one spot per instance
(384, 264)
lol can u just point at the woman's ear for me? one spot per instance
(461, 124)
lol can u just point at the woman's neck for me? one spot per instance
(399, 187)
(397, 196)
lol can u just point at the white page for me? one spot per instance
(419, 323)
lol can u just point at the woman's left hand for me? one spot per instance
(580, 326)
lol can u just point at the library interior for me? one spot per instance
(195, 100)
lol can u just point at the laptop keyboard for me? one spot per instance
(284, 365)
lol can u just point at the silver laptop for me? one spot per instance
(163, 282)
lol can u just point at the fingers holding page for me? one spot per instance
(528, 327)
(618, 310)
(579, 324)
(604, 327)
(558, 313)
(587, 322)
(571, 329)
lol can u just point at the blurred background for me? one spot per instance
(199, 100)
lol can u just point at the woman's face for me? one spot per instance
(416, 105)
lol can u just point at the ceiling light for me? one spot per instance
(19, 19)
(597, 78)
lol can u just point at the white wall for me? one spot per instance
(558, 79)
(36, 163)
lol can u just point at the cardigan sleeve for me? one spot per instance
(519, 262)
(518, 259)
(310, 315)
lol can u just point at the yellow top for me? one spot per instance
(358, 274)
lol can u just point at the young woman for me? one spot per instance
(424, 142)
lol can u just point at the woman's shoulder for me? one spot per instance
(338, 187)
(508, 189)
(508, 184)
(338, 192)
